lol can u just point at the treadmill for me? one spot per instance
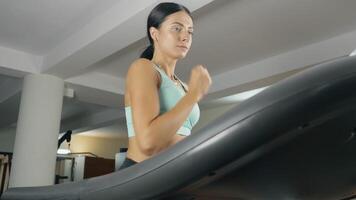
(294, 140)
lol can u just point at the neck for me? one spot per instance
(166, 63)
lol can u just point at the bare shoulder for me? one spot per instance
(142, 69)
(141, 65)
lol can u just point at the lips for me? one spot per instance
(183, 47)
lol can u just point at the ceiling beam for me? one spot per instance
(101, 81)
(18, 64)
(114, 30)
(308, 55)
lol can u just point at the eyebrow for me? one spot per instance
(190, 27)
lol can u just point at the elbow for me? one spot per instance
(148, 149)
(154, 148)
(148, 145)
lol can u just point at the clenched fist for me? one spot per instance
(199, 82)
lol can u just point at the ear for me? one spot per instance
(154, 33)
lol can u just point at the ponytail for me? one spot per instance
(148, 52)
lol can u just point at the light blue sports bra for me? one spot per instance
(169, 95)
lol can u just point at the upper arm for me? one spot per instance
(142, 82)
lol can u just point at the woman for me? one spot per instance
(160, 110)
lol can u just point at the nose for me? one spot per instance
(185, 36)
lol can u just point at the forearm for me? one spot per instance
(163, 128)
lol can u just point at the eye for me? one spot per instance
(177, 28)
(191, 32)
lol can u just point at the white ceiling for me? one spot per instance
(232, 34)
(37, 26)
(245, 44)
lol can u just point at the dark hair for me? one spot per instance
(156, 18)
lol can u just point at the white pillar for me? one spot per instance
(35, 148)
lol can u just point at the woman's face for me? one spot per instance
(174, 37)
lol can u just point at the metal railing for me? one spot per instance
(4, 172)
